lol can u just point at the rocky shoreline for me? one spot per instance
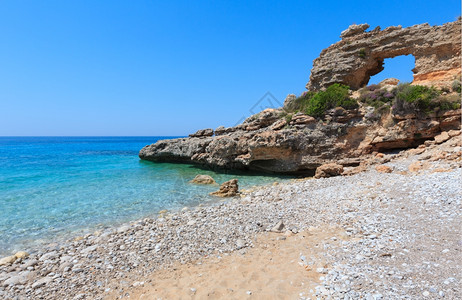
(401, 235)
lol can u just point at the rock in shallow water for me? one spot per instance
(227, 189)
(203, 179)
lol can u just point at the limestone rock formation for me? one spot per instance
(259, 145)
(360, 55)
(227, 189)
(203, 179)
(275, 142)
(328, 170)
(202, 132)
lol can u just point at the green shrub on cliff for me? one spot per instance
(377, 97)
(420, 99)
(334, 96)
(456, 86)
(300, 103)
(413, 99)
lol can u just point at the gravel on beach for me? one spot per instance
(401, 238)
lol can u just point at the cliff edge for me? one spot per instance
(316, 129)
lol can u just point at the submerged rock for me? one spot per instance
(203, 179)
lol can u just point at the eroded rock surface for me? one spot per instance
(277, 142)
(360, 55)
(229, 188)
(267, 143)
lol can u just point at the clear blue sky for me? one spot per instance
(170, 67)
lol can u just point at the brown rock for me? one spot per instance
(227, 189)
(278, 227)
(360, 55)
(442, 137)
(415, 166)
(354, 170)
(328, 170)
(7, 260)
(453, 133)
(383, 169)
(202, 133)
(389, 81)
(220, 130)
(279, 124)
(289, 101)
(203, 179)
(299, 119)
(21, 254)
(260, 144)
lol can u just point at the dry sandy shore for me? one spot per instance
(371, 235)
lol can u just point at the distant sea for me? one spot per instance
(59, 187)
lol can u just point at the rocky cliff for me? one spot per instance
(360, 55)
(268, 143)
(282, 141)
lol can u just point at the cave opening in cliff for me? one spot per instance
(399, 67)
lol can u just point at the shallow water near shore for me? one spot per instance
(58, 187)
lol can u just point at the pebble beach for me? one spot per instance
(371, 235)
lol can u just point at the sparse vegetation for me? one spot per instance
(288, 117)
(362, 53)
(334, 96)
(422, 100)
(377, 97)
(316, 104)
(456, 86)
(401, 100)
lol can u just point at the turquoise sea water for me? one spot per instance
(58, 187)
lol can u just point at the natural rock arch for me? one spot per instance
(360, 55)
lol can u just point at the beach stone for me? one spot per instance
(240, 244)
(31, 263)
(49, 256)
(89, 249)
(415, 166)
(21, 278)
(442, 137)
(278, 227)
(383, 169)
(42, 282)
(227, 189)
(203, 179)
(328, 170)
(21, 254)
(7, 260)
(453, 133)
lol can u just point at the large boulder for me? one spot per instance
(360, 55)
(328, 170)
(227, 189)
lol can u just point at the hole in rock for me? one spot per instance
(399, 67)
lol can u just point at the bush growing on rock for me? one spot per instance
(316, 104)
(300, 103)
(456, 86)
(336, 95)
(377, 97)
(419, 99)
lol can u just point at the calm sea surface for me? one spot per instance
(57, 187)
